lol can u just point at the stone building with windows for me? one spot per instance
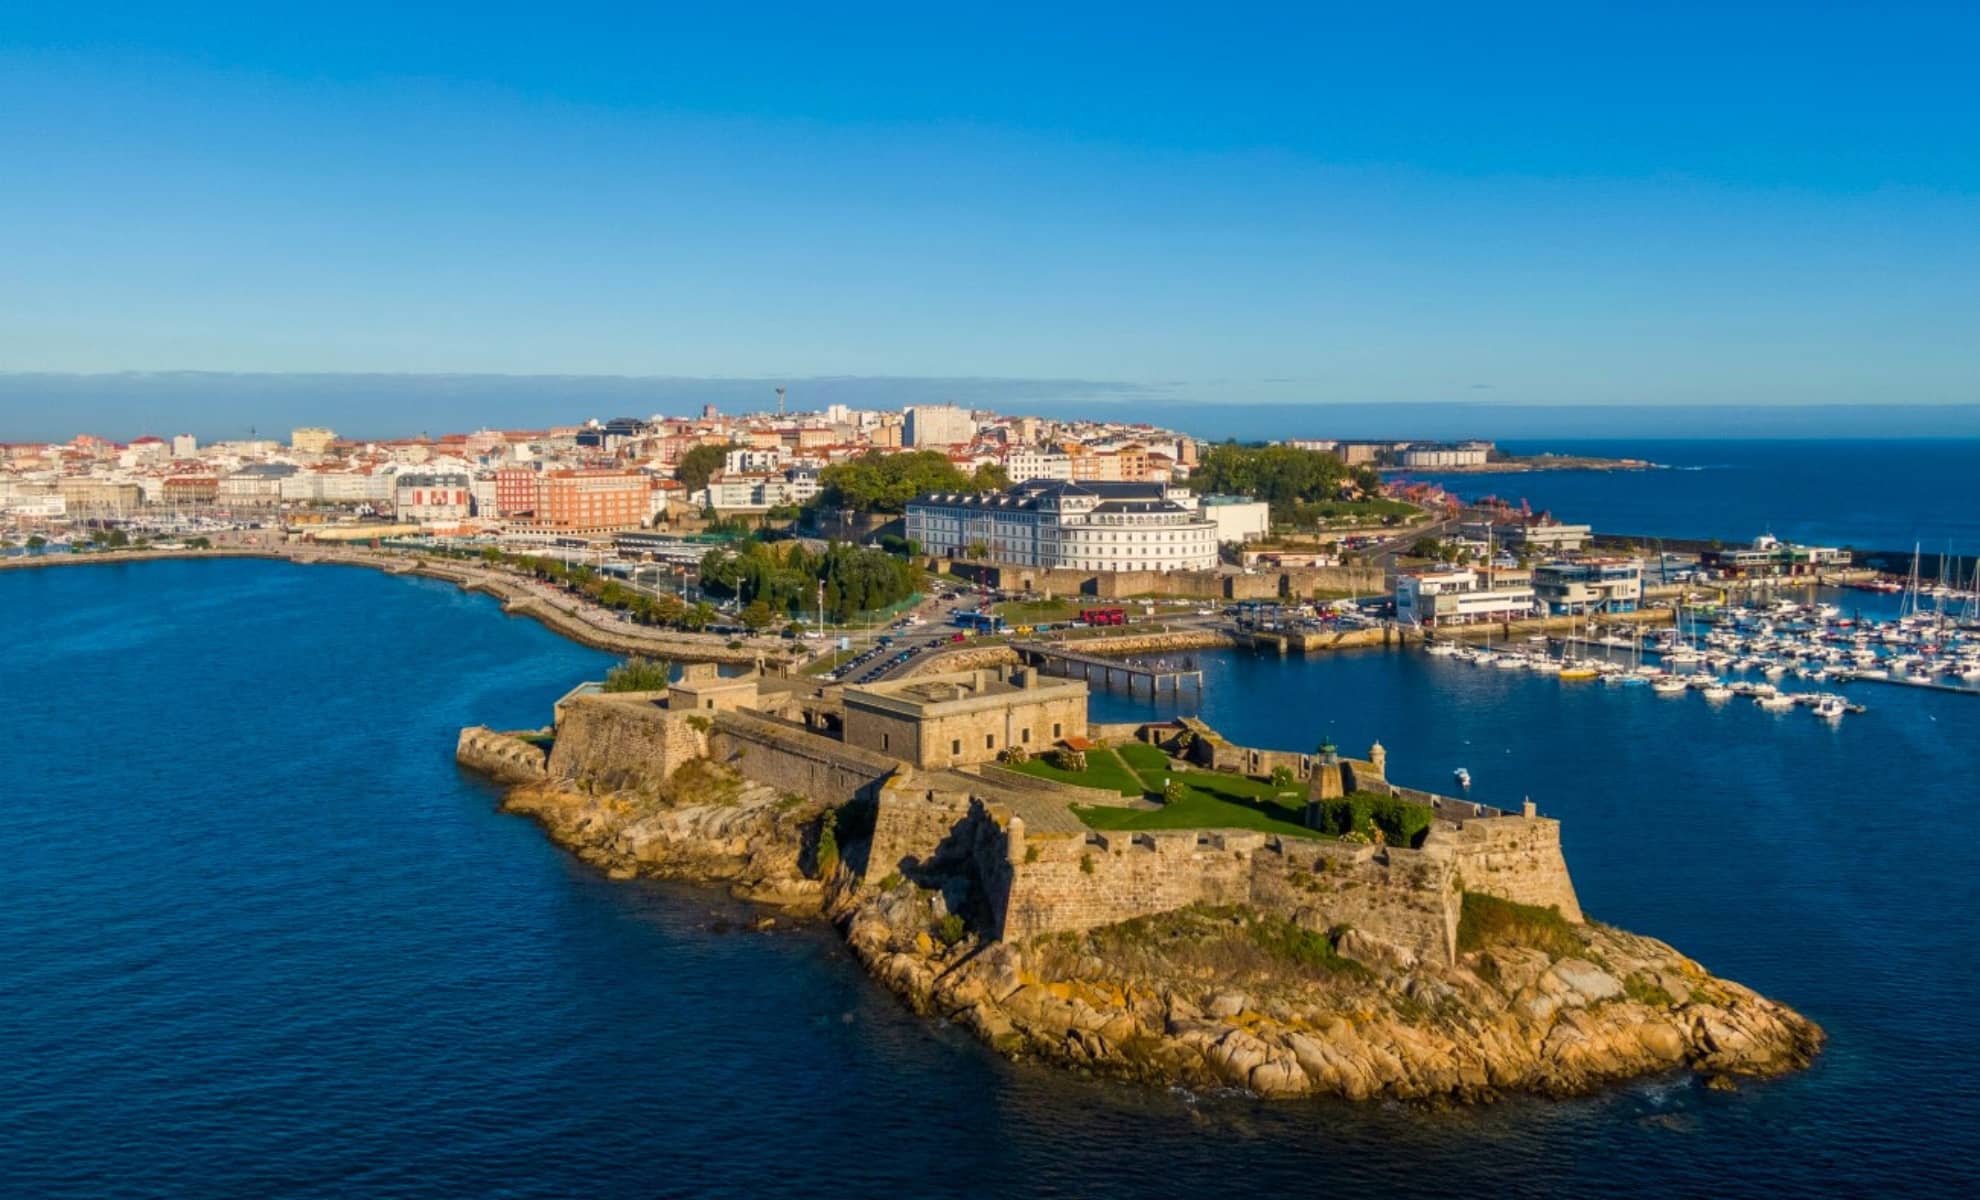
(964, 717)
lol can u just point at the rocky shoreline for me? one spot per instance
(1202, 997)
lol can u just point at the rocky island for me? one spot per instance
(1150, 901)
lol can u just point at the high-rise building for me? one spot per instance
(939, 425)
(184, 446)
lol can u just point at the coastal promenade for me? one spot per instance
(520, 596)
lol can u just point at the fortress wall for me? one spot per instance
(1067, 884)
(1004, 777)
(502, 757)
(1515, 858)
(791, 758)
(915, 828)
(1407, 898)
(623, 742)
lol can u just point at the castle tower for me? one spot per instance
(1325, 781)
(1379, 756)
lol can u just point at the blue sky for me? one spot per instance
(1585, 203)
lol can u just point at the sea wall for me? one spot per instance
(918, 830)
(1193, 585)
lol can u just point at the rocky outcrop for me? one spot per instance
(707, 825)
(1203, 996)
(1225, 998)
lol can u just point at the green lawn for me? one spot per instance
(1212, 801)
(1104, 770)
(1144, 758)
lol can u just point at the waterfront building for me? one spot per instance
(191, 489)
(1547, 537)
(1462, 596)
(1769, 557)
(1077, 526)
(938, 425)
(593, 500)
(1589, 585)
(1435, 456)
(423, 496)
(255, 485)
(964, 717)
(516, 492)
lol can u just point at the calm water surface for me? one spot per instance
(1880, 495)
(261, 937)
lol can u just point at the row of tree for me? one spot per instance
(878, 482)
(1284, 475)
(787, 579)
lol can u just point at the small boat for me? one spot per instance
(1831, 708)
(1718, 691)
(1667, 685)
(1578, 671)
(1778, 702)
(1441, 649)
(1462, 776)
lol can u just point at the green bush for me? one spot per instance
(1282, 776)
(828, 844)
(949, 930)
(639, 675)
(1400, 822)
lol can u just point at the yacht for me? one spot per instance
(1667, 685)
(1463, 777)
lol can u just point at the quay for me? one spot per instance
(1057, 660)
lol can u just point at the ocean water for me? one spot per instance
(260, 937)
(1886, 494)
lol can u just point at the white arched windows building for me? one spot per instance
(1075, 526)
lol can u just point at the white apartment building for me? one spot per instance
(420, 496)
(1238, 518)
(938, 425)
(1027, 463)
(184, 445)
(1075, 526)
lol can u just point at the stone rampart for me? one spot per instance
(791, 758)
(917, 829)
(503, 757)
(1067, 884)
(1067, 792)
(1515, 858)
(624, 742)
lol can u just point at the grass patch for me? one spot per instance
(1488, 921)
(1144, 758)
(1644, 990)
(1210, 800)
(1104, 770)
(1401, 823)
(1225, 942)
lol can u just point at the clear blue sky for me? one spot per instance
(1386, 202)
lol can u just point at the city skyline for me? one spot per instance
(1551, 208)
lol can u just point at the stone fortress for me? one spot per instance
(911, 768)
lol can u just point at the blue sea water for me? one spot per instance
(260, 937)
(1886, 494)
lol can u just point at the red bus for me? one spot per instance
(1103, 616)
